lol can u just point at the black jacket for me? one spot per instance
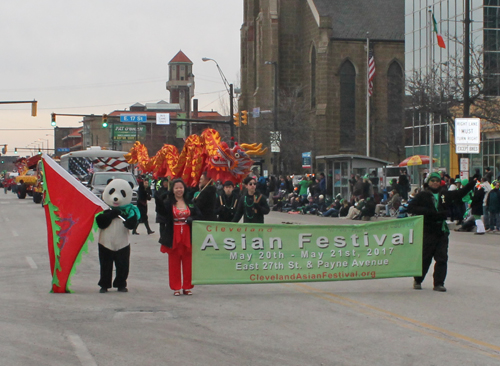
(206, 202)
(226, 206)
(252, 208)
(167, 230)
(160, 196)
(423, 204)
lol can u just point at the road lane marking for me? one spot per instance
(421, 327)
(81, 350)
(31, 262)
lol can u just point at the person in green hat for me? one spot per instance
(433, 204)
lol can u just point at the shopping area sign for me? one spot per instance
(129, 132)
(467, 135)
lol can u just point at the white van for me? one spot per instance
(388, 173)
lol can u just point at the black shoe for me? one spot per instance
(478, 233)
(439, 288)
(103, 290)
(150, 232)
(122, 289)
(417, 286)
(135, 233)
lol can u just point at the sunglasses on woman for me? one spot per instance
(251, 184)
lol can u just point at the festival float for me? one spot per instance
(205, 152)
(30, 174)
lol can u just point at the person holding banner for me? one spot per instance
(206, 198)
(175, 238)
(251, 206)
(227, 202)
(433, 204)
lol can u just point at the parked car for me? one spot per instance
(99, 180)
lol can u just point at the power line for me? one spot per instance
(106, 105)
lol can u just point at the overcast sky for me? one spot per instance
(96, 56)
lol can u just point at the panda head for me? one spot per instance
(117, 193)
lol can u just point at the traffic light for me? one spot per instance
(244, 117)
(4, 149)
(15, 150)
(236, 118)
(39, 151)
(33, 108)
(53, 123)
(104, 121)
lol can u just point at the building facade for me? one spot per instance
(310, 59)
(120, 135)
(423, 56)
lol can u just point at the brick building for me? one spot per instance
(122, 135)
(317, 48)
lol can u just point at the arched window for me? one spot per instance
(313, 77)
(347, 105)
(395, 102)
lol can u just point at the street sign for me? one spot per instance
(256, 112)
(306, 159)
(162, 118)
(467, 135)
(133, 117)
(464, 164)
(63, 149)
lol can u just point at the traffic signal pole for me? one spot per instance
(33, 103)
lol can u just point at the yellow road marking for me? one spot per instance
(404, 321)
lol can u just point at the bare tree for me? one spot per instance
(295, 129)
(438, 91)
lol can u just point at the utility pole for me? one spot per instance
(467, 59)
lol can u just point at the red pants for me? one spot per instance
(180, 258)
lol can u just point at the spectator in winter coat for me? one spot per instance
(403, 184)
(493, 207)
(322, 183)
(357, 190)
(488, 174)
(344, 210)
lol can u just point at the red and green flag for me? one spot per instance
(440, 40)
(70, 210)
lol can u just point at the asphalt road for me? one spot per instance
(370, 322)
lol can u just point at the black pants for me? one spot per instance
(121, 259)
(435, 246)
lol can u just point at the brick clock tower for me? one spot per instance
(180, 82)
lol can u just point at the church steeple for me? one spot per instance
(181, 81)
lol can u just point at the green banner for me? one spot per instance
(128, 132)
(225, 253)
(180, 131)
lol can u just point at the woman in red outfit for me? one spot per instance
(176, 238)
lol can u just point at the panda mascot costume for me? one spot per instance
(114, 225)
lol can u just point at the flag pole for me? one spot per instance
(431, 116)
(367, 94)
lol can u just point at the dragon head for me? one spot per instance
(234, 161)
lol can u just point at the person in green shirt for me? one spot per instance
(304, 184)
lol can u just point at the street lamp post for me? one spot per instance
(230, 90)
(276, 134)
